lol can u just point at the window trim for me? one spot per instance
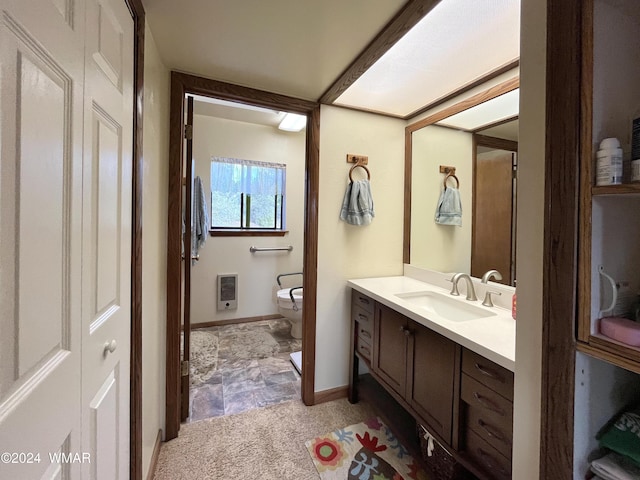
(247, 232)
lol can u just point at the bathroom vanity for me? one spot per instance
(446, 361)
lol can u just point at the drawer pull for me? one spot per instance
(490, 431)
(364, 333)
(366, 350)
(488, 404)
(364, 300)
(488, 373)
(491, 462)
(363, 317)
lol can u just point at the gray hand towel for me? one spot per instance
(449, 211)
(357, 206)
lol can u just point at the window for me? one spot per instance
(247, 194)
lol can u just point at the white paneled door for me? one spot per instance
(65, 238)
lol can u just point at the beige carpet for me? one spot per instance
(266, 443)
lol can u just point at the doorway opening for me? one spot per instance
(246, 219)
(179, 273)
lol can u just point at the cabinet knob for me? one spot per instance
(405, 330)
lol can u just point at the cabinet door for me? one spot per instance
(390, 348)
(431, 378)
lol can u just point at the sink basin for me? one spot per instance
(446, 307)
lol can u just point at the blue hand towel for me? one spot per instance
(357, 206)
(449, 211)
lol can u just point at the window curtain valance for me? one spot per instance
(233, 175)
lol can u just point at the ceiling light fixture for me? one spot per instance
(497, 109)
(292, 122)
(456, 43)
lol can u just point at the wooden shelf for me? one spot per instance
(610, 351)
(624, 189)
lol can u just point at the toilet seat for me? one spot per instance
(284, 298)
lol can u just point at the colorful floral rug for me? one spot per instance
(364, 451)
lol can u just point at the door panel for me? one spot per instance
(390, 349)
(493, 211)
(41, 85)
(107, 170)
(431, 378)
(104, 415)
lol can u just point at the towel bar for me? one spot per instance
(270, 249)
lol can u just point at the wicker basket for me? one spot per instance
(441, 463)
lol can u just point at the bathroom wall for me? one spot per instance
(256, 271)
(154, 245)
(440, 247)
(346, 251)
(530, 240)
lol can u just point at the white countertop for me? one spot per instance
(492, 337)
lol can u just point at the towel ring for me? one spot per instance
(361, 166)
(451, 175)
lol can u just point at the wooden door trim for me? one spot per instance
(494, 142)
(562, 166)
(186, 263)
(182, 84)
(135, 368)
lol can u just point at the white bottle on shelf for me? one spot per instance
(609, 162)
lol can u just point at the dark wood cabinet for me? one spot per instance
(431, 377)
(486, 412)
(463, 399)
(390, 348)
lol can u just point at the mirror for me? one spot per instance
(480, 142)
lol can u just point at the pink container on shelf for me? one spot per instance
(621, 329)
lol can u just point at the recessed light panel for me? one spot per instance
(487, 113)
(456, 43)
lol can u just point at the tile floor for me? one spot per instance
(253, 370)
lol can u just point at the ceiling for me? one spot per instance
(293, 47)
(303, 48)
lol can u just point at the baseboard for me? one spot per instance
(329, 395)
(154, 456)
(217, 323)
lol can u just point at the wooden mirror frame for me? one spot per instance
(472, 101)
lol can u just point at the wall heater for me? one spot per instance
(227, 291)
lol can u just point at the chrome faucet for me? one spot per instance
(471, 293)
(491, 273)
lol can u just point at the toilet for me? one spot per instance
(291, 308)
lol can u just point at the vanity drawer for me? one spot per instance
(363, 348)
(485, 426)
(497, 378)
(493, 408)
(364, 323)
(362, 301)
(487, 457)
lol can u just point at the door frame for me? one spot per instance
(479, 140)
(181, 85)
(135, 402)
(566, 39)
